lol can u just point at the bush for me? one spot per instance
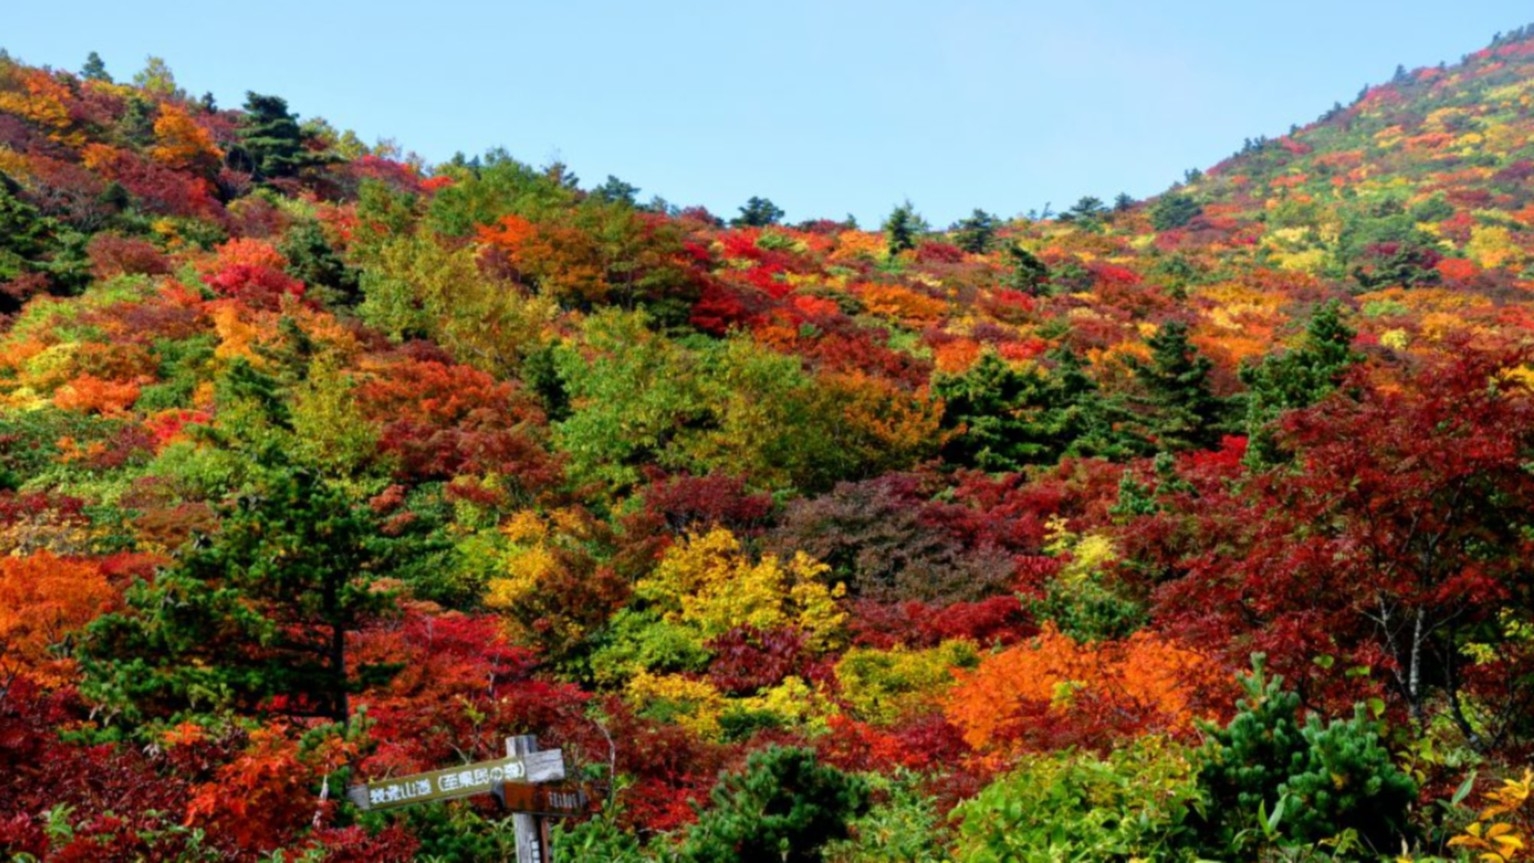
(1135, 804)
(1304, 783)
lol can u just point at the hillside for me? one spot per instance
(320, 465)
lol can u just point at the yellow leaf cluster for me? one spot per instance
(1496, 840)
(708, 584)
(883, 686)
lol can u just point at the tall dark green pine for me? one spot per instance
(783, 809)
(253, 618)
(94, 69)
(1296, 379)
(1098, 423)
(1180, 410)
(271, 142)
(24, 232)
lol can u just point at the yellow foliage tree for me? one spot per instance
(709, 585)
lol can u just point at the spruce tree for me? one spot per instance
(758, 213)
(902, 228)
(1181, 411)
(253, 618)
(975, 233)
(1296, 379)
(94, 69)
(271, 142)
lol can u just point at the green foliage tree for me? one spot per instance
(1182, 412)
(271, 141)
(1296, 379)
(1005, 418)
(1173, 210)
(1028, 273)
(1266, 777)
(255, 617)
(1087, 212)
(485, 189)
(784, 808)
(1138, 803)
(976, 232)
(615, 191)
(902, 228)
(905, 826)
(157, 78)
(24, 232)
(312, 261)
(758, 213)
(95, 69)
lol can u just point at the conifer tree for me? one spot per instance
(902, 227)
(253, 618)
(1181, 413)
(1296, 379)
(94, 69)
(783, 809)
(271, 141)
(975, 233)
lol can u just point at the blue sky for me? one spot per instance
(828, 108)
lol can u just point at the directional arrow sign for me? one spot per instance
(544, 766)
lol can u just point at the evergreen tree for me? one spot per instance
(975, 233)
(902, 228)
(1181, 412)
(94, 69)
(271, 141)
(1296, 379)
(615, 191)
(1006, 418)
(1311, 781)
(758, 213)
(1029, 274)
(24, 232)
(253, 618)
(312, 261)
(783, 809)
(1173, 211)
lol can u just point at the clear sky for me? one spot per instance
(828, 108)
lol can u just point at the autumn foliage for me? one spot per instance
(990, 516)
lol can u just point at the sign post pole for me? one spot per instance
(530, 838)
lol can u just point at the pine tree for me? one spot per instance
(271, 142)
(253, 618)
(1029, 274)
(783, 809)
(1181, 412)
(94, 69)
(1296, 379)
(1311, 781)
(902, 228)
(976, 233)
(758, 213)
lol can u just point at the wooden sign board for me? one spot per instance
(514, 771)
(554, 801)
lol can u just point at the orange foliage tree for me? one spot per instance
(43, 599)
(1052, 691)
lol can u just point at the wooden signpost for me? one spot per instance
(521, 782)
